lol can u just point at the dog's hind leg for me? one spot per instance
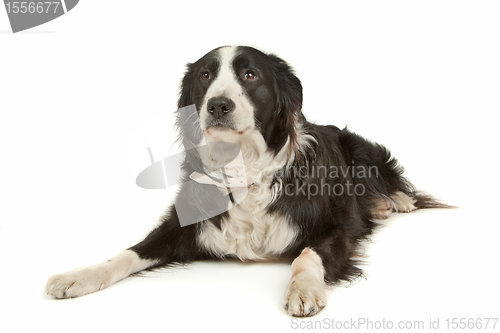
(403, 203)
(381, 208)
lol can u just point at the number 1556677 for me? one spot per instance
(31, 7)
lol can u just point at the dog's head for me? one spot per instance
(241, 90)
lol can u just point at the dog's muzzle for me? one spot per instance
(220, 110)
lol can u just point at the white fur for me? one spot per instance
(250, 233)
(88, 279)
(305, 294)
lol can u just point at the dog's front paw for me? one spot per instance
(78, 282)
(305, 295)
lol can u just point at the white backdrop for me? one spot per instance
(420, 77)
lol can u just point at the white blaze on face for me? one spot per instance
(226, 84)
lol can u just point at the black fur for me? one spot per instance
(332, 225)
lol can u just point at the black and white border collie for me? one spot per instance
(298, 206)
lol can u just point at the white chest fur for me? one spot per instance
(249, 232)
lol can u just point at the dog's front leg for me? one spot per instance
(88, 279)
(167, 244)
(305, 294)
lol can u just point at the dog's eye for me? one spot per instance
(250, 76)
(205, 76)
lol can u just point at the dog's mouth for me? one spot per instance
(221, 127)
(224, 128)
(220, 124)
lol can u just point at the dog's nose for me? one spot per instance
(220, 106)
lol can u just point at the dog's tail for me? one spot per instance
(425, 200)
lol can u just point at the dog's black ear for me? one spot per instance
(185, 97)
(288, 87)
(288, 105)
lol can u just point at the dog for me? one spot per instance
(312, 192)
